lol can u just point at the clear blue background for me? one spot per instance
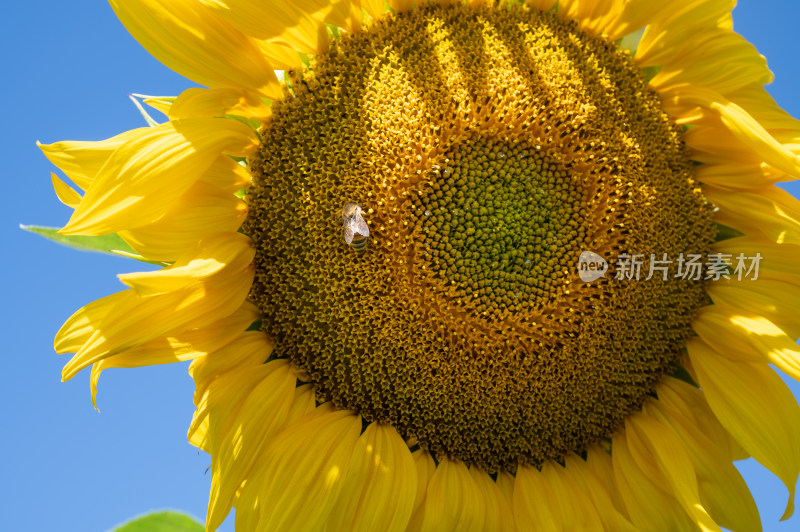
(67, 69)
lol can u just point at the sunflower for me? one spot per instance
(402, 245)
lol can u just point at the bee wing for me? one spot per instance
(361, 226)
(350, 229)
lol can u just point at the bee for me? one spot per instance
(356, 230)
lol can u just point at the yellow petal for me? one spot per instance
(309, 458)
(693, 406)
(598, 462)
(278, 20)
(68, 195)
(577, 512)
(535, 507)
(637, 15)
(554, 499)
(186, 345)
(142, 177)
(453, 501)
(159, 103)
(672, 25)
(250, 349)
(499, 515)
(425, 467)
(142, 111)
(79, 327)
(743, 336)
(700, 62)
(770, 210)
(200, 211)
(304, 403)
(505, 485)
(401, 6)
(757, 408)
(345, 14)
(541, 5)
(590, 487)
(710, 142)
(744, 127)
(208, 258)
(81, 160)
(301, 405)
(225, 393)
(732, 172)
(193, 41)
(592, 15)
(726, 22)
(227, 175)
(659, 454)
(760, 104)
(777, 260)
(134, 320)
(722, 490)
(192, 343)
(210, 103)
(373, 7)
(647, 504)
(280, 56)
(772, 299)
(729, 162)
(381, 484)
(243, 429)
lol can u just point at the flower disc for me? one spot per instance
(487, 148)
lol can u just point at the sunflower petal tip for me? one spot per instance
(71, 369)
(789, 511)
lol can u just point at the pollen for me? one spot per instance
(487, 149)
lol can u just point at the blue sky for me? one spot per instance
(69, 68)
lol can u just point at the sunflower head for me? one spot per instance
(488, 150)
(374, 263)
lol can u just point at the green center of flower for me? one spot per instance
(500, 220)
(485, 148)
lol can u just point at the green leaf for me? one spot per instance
(167, 521)
(631, 41)
(252, 123)
(255, 326)
(724, 232)
(651, 71)
(333, 30)
(682, 373)
(111, 244)
(100, 244)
